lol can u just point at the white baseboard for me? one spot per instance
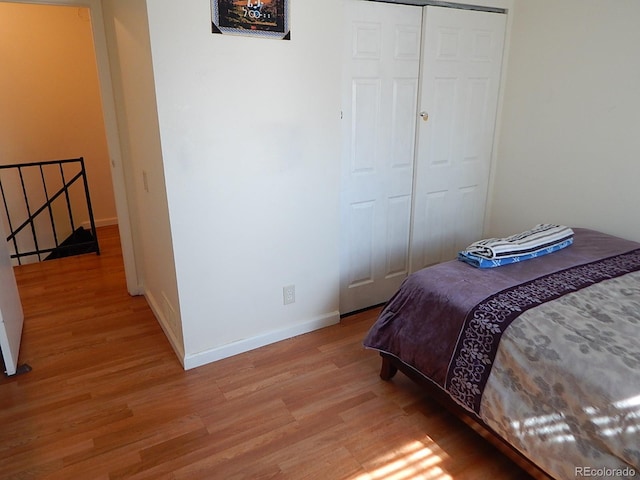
(235, 348)
(100, 222)
(175, 343)
(202, 358)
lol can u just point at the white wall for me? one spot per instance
(127, 32)
(570, 148)
(250, 138)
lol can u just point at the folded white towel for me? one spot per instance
(538, 238)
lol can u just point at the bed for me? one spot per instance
(543, 356)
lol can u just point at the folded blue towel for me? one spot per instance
(482, 262)
(536, 239)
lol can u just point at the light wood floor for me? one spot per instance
(107, 398)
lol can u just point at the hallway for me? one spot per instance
(80, 305)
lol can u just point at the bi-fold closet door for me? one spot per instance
(420, 93)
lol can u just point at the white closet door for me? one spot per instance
(380, 90)
(460, 79)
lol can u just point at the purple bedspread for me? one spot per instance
(423, 323)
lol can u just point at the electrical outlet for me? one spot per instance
(289, 294)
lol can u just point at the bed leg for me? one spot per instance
(388, 370)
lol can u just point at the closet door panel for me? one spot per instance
(460, 77)
(380, 96)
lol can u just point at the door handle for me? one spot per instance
(425, 116)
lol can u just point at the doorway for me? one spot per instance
(91, 12)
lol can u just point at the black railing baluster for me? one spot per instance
(61, 249)
(66, 194)
(31, 218)
(86, 192)
(46, 194)
(6, 209)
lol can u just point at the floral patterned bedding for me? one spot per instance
(564, 388)
(548, 355)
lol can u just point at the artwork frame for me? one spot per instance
(255, 18)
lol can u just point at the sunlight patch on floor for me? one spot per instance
(413, 461)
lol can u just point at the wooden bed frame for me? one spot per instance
(391, 364)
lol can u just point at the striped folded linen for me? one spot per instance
(482, 262)
(536, 240)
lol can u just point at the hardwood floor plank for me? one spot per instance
(107, 398)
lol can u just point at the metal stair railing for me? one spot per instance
(89, 246)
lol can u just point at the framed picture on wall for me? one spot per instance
(259, 18)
